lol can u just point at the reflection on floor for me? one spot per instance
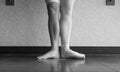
(31, 64)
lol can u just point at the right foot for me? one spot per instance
(51, 54)
(72, 54)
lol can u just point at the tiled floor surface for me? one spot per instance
(31, 64)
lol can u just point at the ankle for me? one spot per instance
(65, 44)
(55, 48)
(65, 48)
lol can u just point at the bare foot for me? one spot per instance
(71, 54)
(51, 54)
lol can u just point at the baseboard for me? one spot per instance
(44, 49)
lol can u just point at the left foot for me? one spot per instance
(71, 54)
(53, 54)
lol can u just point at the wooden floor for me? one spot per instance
(13, 63)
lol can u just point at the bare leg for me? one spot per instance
(53, 25)
(66, 10)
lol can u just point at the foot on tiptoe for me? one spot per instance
(68, 53)
(53, 54)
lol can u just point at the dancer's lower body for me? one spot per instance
(60, 27)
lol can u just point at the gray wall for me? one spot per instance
(25, 24)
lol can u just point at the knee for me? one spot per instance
(66, 11)
(53, 8)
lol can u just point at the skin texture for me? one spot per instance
(60, 25)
